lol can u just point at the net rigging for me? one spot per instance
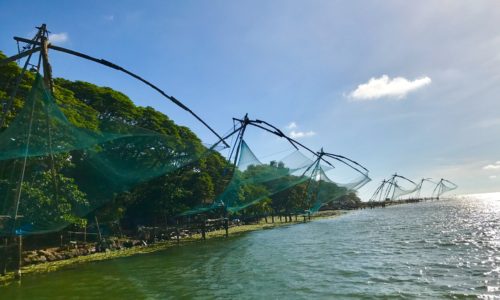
(253, 181)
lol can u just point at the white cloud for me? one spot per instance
(294, 133)
(109, 18)
(493, 176)
(58, 38)
(384, 86)
(300, 134)
(494, 166)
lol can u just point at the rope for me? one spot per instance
(23, 170)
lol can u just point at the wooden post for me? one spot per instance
(154, 230)
(47, 69)
(20, 257)
(98, 228)
(203, 225)
(226, 226)
(3, 267)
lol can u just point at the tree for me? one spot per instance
(48, 207)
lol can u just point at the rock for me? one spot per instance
(50, 257)
(27, 260)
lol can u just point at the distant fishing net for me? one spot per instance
(332, 182)
(254, 182)
(395, 187)
(53, 173)
(444, 186)
(399, 190)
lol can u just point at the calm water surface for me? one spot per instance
(443, 249)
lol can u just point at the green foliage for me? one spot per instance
(51, 206)
(347, 201)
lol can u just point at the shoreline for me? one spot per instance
(159, 246)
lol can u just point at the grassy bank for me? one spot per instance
(218, 234)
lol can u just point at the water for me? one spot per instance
(444, 249)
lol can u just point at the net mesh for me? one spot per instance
(329, 184)
(444, 186)
(399, 190)
(253, 181)
(53, 173)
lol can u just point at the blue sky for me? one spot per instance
(318, 64)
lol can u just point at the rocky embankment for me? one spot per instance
(82, 249)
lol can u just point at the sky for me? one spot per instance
(400, 86)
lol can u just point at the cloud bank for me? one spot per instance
(384, 86)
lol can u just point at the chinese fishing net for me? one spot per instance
(254, 181)
(443, 186)
(334, 179)
(394, 188)
(53, 173)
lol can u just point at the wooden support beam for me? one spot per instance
(19, 56)
(47, 68)
(118, 68)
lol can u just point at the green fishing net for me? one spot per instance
(254, 181)
(330, 182)
(53, 173)
(291, 185)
